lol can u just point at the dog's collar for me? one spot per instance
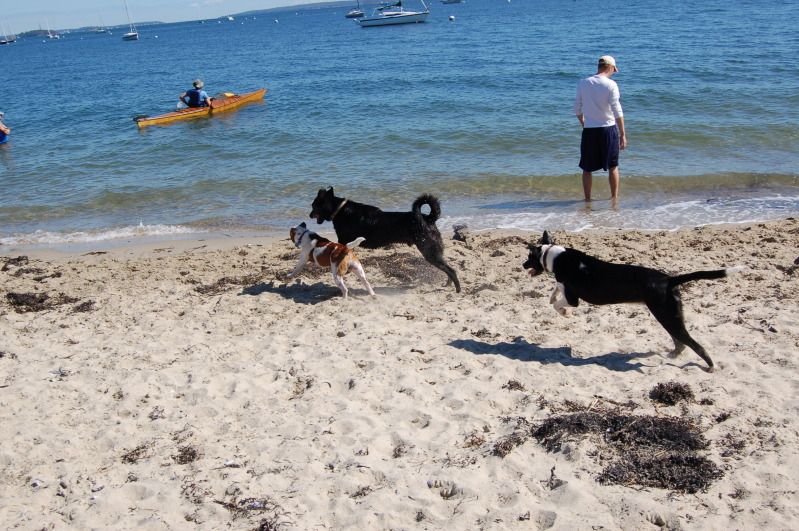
(340, 206)
(544, 258)
(298, 243)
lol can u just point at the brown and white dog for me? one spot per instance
(339, 257)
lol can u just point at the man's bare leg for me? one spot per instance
(587, 185)
(613, 180)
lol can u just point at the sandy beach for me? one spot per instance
(183, 385)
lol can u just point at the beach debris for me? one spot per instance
(16, 262)
(38, 484)
(484, 332)
(688, 473)
(506, 444)
(473, 440)
(225, 283)
(514, 385)
(156, 413)
(60, 373)
(85, 306)
(553, 482)
(301, 384)
(671, 392)
(461, 233)
(193, 491)
(650, 451)
(244, 508)
(229, 463)
(721, 417)
(186, 454)
(37, 302)
(400, 449)
(361, 492)
(135, 455)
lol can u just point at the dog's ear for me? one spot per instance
(545, 239)
(330, 191)
(321, 193)
(303, 225)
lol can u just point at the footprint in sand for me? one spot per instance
(447, 489)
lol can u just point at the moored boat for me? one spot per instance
(133, 33)
(391, 14)
(226, 102)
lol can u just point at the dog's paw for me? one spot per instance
(564, 312)
(677, 352)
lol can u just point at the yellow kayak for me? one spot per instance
(227, 102)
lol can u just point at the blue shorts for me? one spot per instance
(599, 148)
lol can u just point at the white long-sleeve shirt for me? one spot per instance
(598, 101)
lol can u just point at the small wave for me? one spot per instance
(136, 231)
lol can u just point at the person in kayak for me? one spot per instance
(196, 97)
(4, 130)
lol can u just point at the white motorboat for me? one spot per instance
(390, 14)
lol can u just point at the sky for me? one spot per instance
(23, 15)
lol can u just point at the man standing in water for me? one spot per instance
(4, 130)
(598, 108)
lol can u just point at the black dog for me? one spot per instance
(352, 220)
(595, 281)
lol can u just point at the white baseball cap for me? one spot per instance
(608, 60)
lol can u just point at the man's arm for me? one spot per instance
(5, 129)
(622, 134)
(582, 119)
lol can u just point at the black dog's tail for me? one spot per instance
(435, 208)
(703, 275)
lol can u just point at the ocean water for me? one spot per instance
(477, 110)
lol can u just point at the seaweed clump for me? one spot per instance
(671, 393)
(650, 451)
(37, 302)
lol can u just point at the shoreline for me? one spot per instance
(162, 385)
(226, 239)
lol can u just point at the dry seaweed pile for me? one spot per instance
(225, 283)
(37, 302)
(650, 451)
(671, 392)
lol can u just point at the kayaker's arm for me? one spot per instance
(4, 128)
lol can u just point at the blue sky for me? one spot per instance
(22, 15)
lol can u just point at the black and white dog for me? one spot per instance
(352, 220)
(595, 281)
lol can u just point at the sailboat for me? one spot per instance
(355, 12)
(50, 34)
(131, 35)
(7, 39)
